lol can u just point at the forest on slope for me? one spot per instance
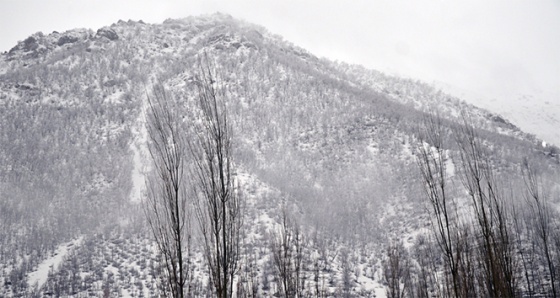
(335, 144)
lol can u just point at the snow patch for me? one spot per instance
(139, 156)
(449, 167)
(39, 276)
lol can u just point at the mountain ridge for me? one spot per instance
(39, 43)
(333, 142)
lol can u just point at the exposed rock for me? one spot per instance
(107, 33)
(30, 44)
(23, 86)
(66, 39)
(498, 119)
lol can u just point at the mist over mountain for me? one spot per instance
(534, 112)
(334, 144)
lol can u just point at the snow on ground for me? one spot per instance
(449, 166)
(370, 284)
(39, 276)
(380, 291)
(140, 156)
(253, 188)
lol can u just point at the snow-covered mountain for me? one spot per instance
(537, 113)
(333, 142)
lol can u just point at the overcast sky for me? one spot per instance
(494, 48)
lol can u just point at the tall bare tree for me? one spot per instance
(218, 208)
(396, 271)
(541, 220)
(432, 161)
(492, 219)
(527, 251)
(287, 253)
(167, 204)
(490, 228)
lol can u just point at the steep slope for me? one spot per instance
(334, 142)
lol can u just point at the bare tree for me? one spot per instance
(287, 254)
(488, 238)
(218, 208)
(427, 283)
(432, 161)
(347, 282)
(527, 251)
(167, 202)
(396, 270)
(492, 219)
(541, 220)
(248, 282)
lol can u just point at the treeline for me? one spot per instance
(490, 237)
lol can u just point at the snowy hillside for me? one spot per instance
(537, 113)
(333, 146)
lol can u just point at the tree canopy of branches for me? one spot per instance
(489, 228)
(432, 162)
(491, 216)
(489, 249)
(167, 207)
(540, 217)
(218, 208)
(286, 246)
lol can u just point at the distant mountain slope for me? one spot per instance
(334, 142)
(537, 113)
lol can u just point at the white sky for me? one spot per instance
(495, 48)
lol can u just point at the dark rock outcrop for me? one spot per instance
(30, 44)
(107, 33)
(65, 39)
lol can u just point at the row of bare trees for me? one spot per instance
(489, 240)
(484, 245)
(193, 199)
(193, 179)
